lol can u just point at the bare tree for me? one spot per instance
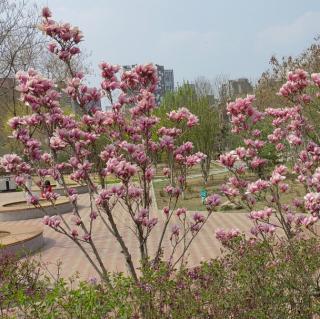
(20, 46)
(204, 87)
(53, 68)
(23, 46)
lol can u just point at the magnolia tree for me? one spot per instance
(180, 158)
(127, 154)
(268, 199)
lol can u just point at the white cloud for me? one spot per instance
(289, 38)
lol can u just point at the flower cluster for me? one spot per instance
(183, 114)
(12, 163)
(241, 111)
(62, 33)
(53, 221)
(108, 73)
(224, 236)
(263, 214)
(297, 81)
(312, 203)
(263, 229)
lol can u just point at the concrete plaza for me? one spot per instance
(58, 247)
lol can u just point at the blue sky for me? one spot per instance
(194, 37)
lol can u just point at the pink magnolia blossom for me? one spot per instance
(175, 231)
(46, 13)
(276, 178)
(261, 214)
(86, 237)
(181, 212)
(173, 132)
(257, 186)
(103, 197)
(198, 218)
(74, 233)
(166, 210)
(20, 180)
(312, 202)
(225, 236)
(229, 190)
(257, 162)
(283, 187)
(309, 220)
(316, 78)
(57, 143)
(241, 152)
(76, 220)
(183, 114)
(167, 142)
(93, 215)
(121, 168)
(263, 229)
(297, 81)
(12, 163)
(53, 221)
(172, 191)
(228, 160)
(51, 196)
(195, 159)
(32, 199)
(213, 201)
(135, 192)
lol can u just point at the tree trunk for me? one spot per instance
(102, 182)
(205, 168)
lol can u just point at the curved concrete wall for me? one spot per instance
(30, 213)
(25, 247)
(82, 189)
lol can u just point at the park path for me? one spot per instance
(60, 248)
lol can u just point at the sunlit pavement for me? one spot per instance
(58, 247)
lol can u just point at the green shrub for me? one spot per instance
(270, 279)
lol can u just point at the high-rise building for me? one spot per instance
(166, 81)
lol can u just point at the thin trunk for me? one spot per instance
(102, 181)
(120, 240)
(205, 168)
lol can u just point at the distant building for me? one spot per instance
(165, 84)
(238, 87)
(168, 80)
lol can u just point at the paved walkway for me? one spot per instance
(58, 247)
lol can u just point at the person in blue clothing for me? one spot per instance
(203, 195)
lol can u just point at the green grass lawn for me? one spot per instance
(196, 170)
(193, 202)
(192, 199)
